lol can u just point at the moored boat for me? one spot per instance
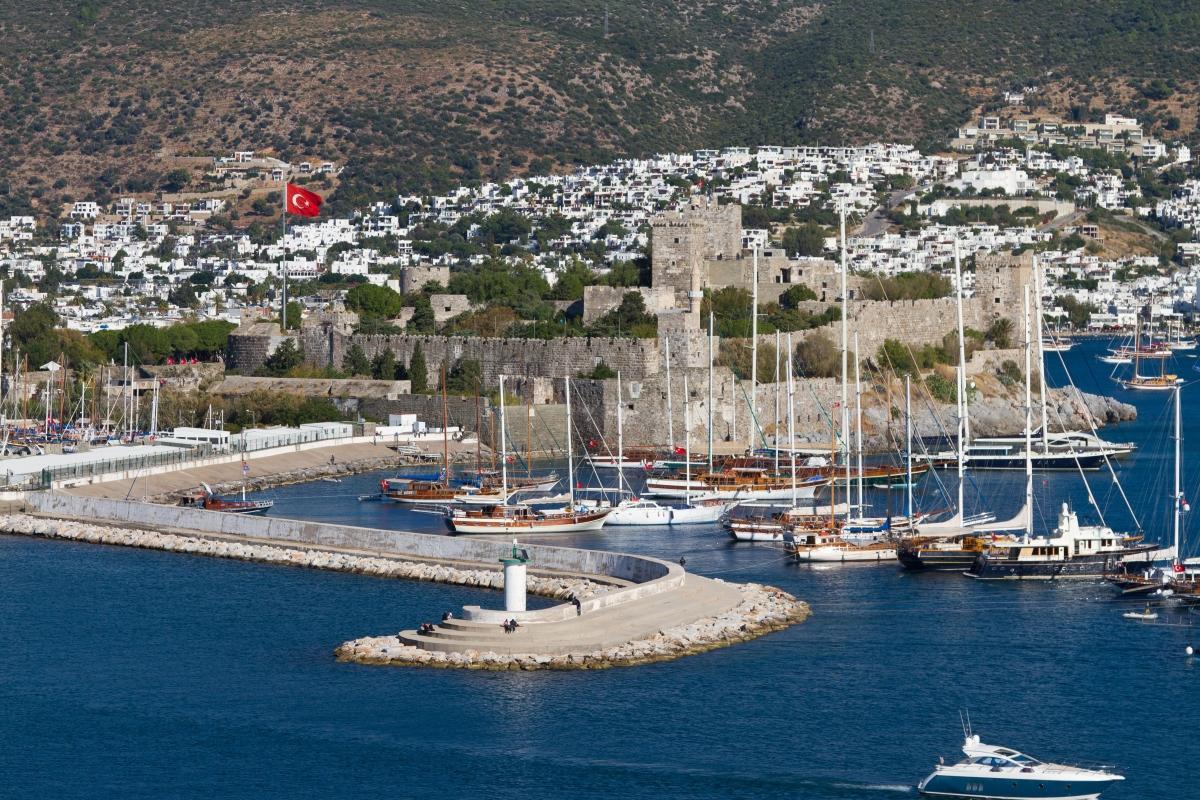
(210, 501)
(522, 519)
(1073, 551)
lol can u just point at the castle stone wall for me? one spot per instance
(524, 358)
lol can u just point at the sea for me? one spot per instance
(141, 674)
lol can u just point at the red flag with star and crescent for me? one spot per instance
(302, 202)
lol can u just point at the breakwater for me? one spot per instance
(760, 610)
(626, 609)
(380, 566)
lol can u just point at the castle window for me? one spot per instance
(676, 240)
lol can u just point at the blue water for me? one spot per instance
(141, 674)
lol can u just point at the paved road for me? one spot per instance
(876, 222)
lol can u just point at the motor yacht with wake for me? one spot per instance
(990, 772)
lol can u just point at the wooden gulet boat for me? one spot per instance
(508, 519)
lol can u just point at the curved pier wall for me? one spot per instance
(650, 575)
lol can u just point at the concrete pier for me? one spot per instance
(631, 609)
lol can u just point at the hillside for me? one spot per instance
(414, 95)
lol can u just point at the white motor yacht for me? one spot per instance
(1001, 773)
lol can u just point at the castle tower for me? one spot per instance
(1000, 279)
(682, 241)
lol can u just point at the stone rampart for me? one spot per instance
(527, 358)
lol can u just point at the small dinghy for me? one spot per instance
(1146, 615)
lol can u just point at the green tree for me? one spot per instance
(572, 281)
(418, 371)
(806, 240)
(423, 320)
(287, 356)
(627, 319)
(600, 372)
(32, 331)
(816, 356)
(796, 295)
(1000, 333)
(730, 308)
(294, 312)
(465, 377)
(355, 361)
(383, 366)
(184, 296)
(906, 286)
(375, 302)
(1079, 314)
(175, 180)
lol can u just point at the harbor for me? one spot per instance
(871, 623)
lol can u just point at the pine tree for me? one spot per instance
(355, 361)
(418, 372)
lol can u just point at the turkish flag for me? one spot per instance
(302, 202)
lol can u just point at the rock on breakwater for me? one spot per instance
(761, 610)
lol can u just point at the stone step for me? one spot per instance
(597, 630)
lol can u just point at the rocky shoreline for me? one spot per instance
(762, 609)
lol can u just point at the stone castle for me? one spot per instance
(697, 248)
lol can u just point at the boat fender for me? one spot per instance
(1189, 650)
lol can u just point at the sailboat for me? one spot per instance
(1176, 341)
(424, 492)
(854, 539)
(506, 519)
(1155, 383)
(212, 502)
(1141, 576)
(704, 509)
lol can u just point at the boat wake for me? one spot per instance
(877, 787)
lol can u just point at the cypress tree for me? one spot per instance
(418, 372)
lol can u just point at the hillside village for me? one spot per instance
(144, 261)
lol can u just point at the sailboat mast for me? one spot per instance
(478, 432)
(908, 439)
(1178, 459)
(710, 391)
(962, 346)
(1041, 351)
(2, 420)
(858, 433)
(962, 447)
(687, 442)
(845, 361)
(1028, 421)
(670, 405)
(775, 436)
(445, 430)
(791, 412)
(751, 428)
(570, 446)
(620, 437)
(503, 446)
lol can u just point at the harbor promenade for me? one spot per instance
(266, 469)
